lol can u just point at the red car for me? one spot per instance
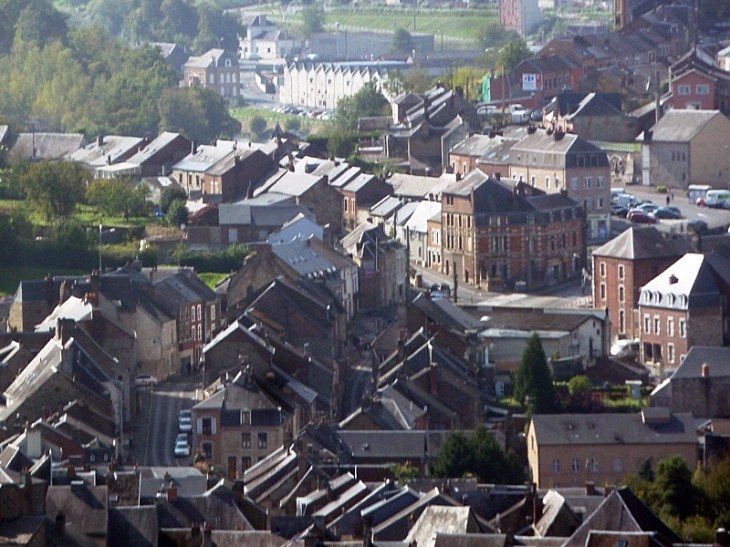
(640, 217)
(701, 202)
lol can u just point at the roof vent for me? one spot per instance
(705, 370)
(673, 279)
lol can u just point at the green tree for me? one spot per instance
(54, 188)
(216, 29)
(402, 42)
(369, 101)
(579, 385)
(478, 454)
(199, 113)
(340, 144)
(404, 472)
(257, 125)
(394, 84)
(418, 81)
(40, 22)
(177, 214)
(493, 34)
(170, 194)
(645, 471)
(313, 19)
(533, 378)
(673, 488)
(513, 54)
(118, 197)
(292, 124)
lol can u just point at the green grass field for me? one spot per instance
(211, 278)
(307, 125)
(10, 276)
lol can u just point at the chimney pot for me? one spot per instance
(705, 370)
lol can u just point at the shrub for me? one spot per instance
(661, 189)
(257, 125)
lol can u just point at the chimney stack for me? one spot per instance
(172, 492)
(100, 140)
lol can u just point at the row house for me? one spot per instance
(696, 84)
(236, 174)
(572, 449)
(215, 69)
(427, 126)
(382, 264)
(190, 171)
(359, 195)
(684, 306)
(624, 265)
(509, 234)
(240, 424)
(555, 162)
(687, 147)
(197, 311)
(323, 85)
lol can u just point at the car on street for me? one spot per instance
(184, 414)
(619, 210)
(647, 206)
(145, 380)
(697, 225)
(701, 202)
(182, 448)
(440, 290)
(667, 212)
(186, 425)
(641, 217)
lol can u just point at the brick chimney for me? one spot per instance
(172, 492)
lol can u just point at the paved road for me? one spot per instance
(157, 428)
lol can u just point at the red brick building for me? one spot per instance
(695, 84)
(216, 69)
(685, 306)
(507, 234)
(622, 266)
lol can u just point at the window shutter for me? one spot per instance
(212, 426)
(200, 425)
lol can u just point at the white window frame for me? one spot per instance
(684, 89)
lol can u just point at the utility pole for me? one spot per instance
(456, 286)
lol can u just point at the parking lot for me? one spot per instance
(715, 218)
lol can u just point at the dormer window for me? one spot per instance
(228, 62)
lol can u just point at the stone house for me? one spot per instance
(624, 265)
(190, 171)
(107, 150)
(684, 306)
(520, 15)
(239, 424)
(571, 449)
(698, 385)
(415, 230)
(501, 233)
(158, 157)
(434, 259)
(382, 266)
(554, 162)
(236, 175)
(264, 40)
(359, 195)
(314, 192)
(467, 155)
(687, 147)
(215, 69)
(197, 311)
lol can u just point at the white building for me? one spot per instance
(322, 85)
(265, 41)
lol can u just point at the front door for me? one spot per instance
(232, 467)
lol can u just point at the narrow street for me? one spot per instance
(157, 427)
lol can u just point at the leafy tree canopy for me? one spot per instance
(478, 454)
(533, 378)
(170, 194)
(54, 188)
(118, 197)
(198, 113)
(369, 101)
(402, 42)
(513, 54)
(493, 34)
(313, 19)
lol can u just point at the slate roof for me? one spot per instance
(210, 57)
(85, 507)
(498, 153)
(304, 258)
(204, 158)
(718, 360)
(243, 214)
(680, 125)
(475, 145)
(216, 507)
(294, 184)
(442, 539)
(373, 445)
(418, 221)
(441, 519)
(386, 206)
(447, 314)
(529, 320)
(418, 187)
(160, 142)
(594, 104)
(47, 146)
(691, 282)
(21, 531)
(113, 149)
(622, 511)
(136, 526)
(610, 428)
(640, 244)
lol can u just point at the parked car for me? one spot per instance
(145, 380)
(641, 217)
(182, 448)
(186, 425)
(701, 202)
(184, 414)
(667, 212)
(619, 210)
(718, 199)
(440, 290)
(647, 206)
(697, 225)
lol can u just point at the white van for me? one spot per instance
(719, 199)
(615, 192)
(625, 200)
